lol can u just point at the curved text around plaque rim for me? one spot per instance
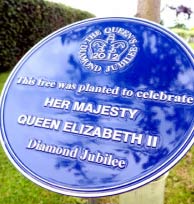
(108, 50)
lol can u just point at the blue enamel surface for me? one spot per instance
(161, 64)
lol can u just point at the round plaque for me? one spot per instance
(100, 107)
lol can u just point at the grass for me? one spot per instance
(180, 182)
(3, 77)
(16, 189)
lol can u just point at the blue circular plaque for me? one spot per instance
(100, 107)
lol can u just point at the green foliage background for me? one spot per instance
(24, 22)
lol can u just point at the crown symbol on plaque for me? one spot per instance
(109, 49)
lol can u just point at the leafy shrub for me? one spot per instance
(188, 35)
(24, 22)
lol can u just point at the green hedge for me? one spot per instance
(24, 22)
